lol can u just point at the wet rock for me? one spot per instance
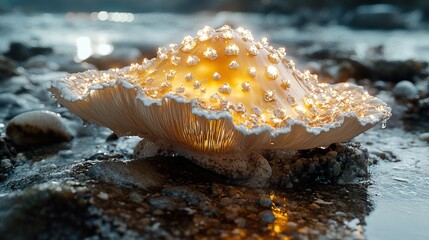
(340, 163)
(416, 115)
(405, 90)
(380, 85)
(265, 201)
(398, 70)
(6, 166)
(20, 51)
(120, 57)
(41, 62)
(37, 128)
(380, 69)
(136, 197)
(136, 173)
(5, 150)
(326, 52)
(163, 202)
(314, 206)
(380, 16)
(50, 210)
(424, 137)
(187, 194)
(322, 202)
(267, 216)
(8, 68)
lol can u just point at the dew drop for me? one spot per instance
(216, 76)
(252, 71)
(252, 50)
(206, 33)
(245, 86)
(175, 60)
(384, 123)
(240, 108)
(269, 96)
(210, 53)
(227, 34)
(162, 53)
(170, 75)
(233, 65)
(197, 84)
(225, 88)
(188, 44)
(272, 72)
(232, 50)
(192, 60)
(189, 77)
(180, 89)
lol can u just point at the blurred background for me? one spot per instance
(129, 30)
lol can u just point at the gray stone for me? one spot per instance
(405, 90)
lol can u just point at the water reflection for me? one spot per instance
(112, 16)
(85, 48)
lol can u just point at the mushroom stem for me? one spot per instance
(249, 169)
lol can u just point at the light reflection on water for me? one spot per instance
(112, 16)
(85, 47)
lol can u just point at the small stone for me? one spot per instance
(322, 202)
(37, 128)
(188, 195)
(314, 206)
(136, 197)
(103, 196)
(405, 90)
(292, 224)
(265, 201)
(65, 153)
(267, 216)
(6, 164)
(8, 68)
(341, 214)
(21, 51)
(424, 137)
(162, 202)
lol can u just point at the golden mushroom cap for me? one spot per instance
(221, 91)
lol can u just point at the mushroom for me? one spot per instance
(219, 99)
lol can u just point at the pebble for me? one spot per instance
(265, 201)
(8, 68)
(314, 206)
(20, 51)
(103, 196)
(405, 90)
(322, 202)
(267, 216)
(424, 137)
(65, 153)
(187, 194)
(37, 128)
(136, 197)
(340, 214)
(162, 202)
